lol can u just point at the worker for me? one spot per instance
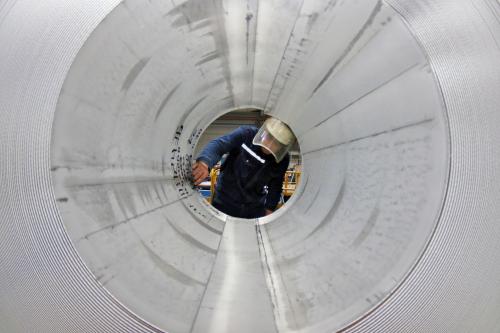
(251, 176)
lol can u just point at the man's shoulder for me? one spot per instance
(248, 131)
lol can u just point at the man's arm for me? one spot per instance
(214, 150)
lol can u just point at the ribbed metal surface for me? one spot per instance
(455, 287)
(394, 228)
(45, 287)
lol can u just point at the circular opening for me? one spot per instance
(369, 119)
(237, 176)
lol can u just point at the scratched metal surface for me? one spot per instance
(394, 227)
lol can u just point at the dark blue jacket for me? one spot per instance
(246, 171)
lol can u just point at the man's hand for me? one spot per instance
(200, 172)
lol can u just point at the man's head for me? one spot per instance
(275, 137)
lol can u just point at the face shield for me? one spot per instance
(275, 137)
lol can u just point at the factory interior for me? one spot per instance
(387, 220)
(226, 124)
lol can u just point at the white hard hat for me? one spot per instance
(276, 137)
(279, 130)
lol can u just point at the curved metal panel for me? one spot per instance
(394, 226)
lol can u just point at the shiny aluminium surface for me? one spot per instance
(394, 227)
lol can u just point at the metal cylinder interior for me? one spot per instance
(394, 226)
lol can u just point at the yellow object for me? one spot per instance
(290, 182)
(214, 173)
